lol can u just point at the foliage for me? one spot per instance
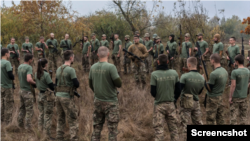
(247, 29)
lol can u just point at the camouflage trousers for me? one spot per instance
(116, 61)
(183, 63)
(7, 104)
(172, 64)
(127, 65)
(194, 113)
(26, 109)
(229, 70)
(93, 58)
(165, 112)
(14, 64)
(215, 111)
(148, 62)
(239, 109)
(53, 60)
(223, 62)
(85, 63)
(109, 110)
(139, 71)
(66, 109)
(155, 64)
(45, 107)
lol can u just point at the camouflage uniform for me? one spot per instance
(52, 55)
(127, 60)
(7, 104)
(215, 111)
(183, 62)
(165, 111)
(26, 108)
(116, 61)
(110, 110)
(239, 109)
(85, 62)
(14, 62)
(95, 45)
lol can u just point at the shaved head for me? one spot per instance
(103, 52)
(192, 61)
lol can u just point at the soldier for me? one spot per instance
(40, 48)
(172, 45)
(238, 92)
(157, 50)
(140, 51)
(14, 54)
(46, 97)
(26, 96)
(149, 46)
(7, 77)
(154, 38)
(192, 84)
(138, 34)
(186, 50)
(65, 44)
(95, 45)
(232, 50)
(127, 60)
(164, 84)
(217, 83)
(53, 52)
(27, 47)
(218, 47)
(66, 81)
(104, 42)
(203, 48)
(85, 52)
(117, 52)
(103, 80)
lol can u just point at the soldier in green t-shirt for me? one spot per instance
(232, 50)
(66, 45)
(127, 60)
(27, 47)
(140, 39)
(218, 47)
(171, 51)
(192, 84)
(104, 42)
(104, 81)
(186, 50)
(40, 48)
(116, 54)
(149, 46)
(216, 86)
(86, 49)
(66, 83)
(164, 86)
(27, 93)
(157, 50)
(7, 77)
(95, 45)
(238, 92)
(46, 97)
(53, 52)
(14, 54)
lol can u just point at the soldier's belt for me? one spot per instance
(63, 89)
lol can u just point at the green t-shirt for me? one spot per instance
(23, 71)
(102, 75)
(68, 74)
(85, 47)
(51, 48)
(241, 75)
(159, 48)
(40, 45)
(105, 43)
(148, 44)
(233, 51)
(68, 44)
(9, 47)
(165, 81)
(194, 83)
(218, 47)
(218, 78)
(95, 44)
(42, 84)
(172, 47)
(140, 41)
(127, 45)
(203, 46)
(25, 46)
(5, 80)
(0, 46)
(184, 49)
(116, 46)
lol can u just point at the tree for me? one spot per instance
(247, 22)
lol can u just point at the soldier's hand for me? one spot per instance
(167, 51)
(228, 58)
(18, 59)
(172, 58)
(41, 49)
(230, 101)
(118, 55)
(248, 58)
(203, 76)
(195, 48)
(87, 55)
(27, 51)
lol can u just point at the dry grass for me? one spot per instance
(136, 112)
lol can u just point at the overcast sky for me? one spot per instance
(239, 8)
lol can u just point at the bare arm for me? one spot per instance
(30, 80)
(207, 49)
(190, 50)
(232, 88)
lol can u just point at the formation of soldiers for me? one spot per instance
(104, 78)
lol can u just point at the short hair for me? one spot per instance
(192, 61)
(12, 38)
(67, 54)
(233, 38)
(4, 51)
(26, 37)
(51, 33)
(163, 59)
(136, 36)
(41, 37)
(28, 57)
(215, 57)
(116, 34)
(239, 58)
(103, 51)
(66, 34)
(86, 36)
